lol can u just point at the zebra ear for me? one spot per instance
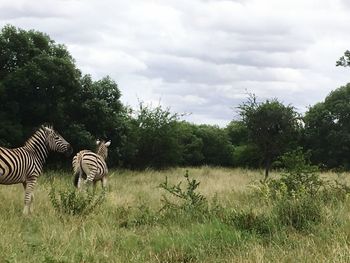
(97, 142)
(108, 143)
(48, 129)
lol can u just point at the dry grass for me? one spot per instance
(102, 237)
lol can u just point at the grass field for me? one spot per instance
(128, 226)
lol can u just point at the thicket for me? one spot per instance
(297, 200)
(40, 83)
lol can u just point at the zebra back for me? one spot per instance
(19, 164)
(102, 148)
(90, 165)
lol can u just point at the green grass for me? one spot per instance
(128, 226)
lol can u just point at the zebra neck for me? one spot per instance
(102, 154)
(37, 145)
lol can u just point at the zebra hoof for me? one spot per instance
(26, 211)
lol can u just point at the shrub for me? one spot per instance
(72, 202)
(251, 221)
(296, 197)
(299, 211)
(191, 200)
(298, 175)
(144, 216)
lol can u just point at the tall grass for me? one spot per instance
(128, 226)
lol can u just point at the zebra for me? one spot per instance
(25, 164)
(90, 166)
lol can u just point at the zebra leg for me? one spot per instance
(94, 184)
(79, 184)
(104, 182)
(28, 196)
(31, 209)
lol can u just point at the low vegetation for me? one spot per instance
(213, 215)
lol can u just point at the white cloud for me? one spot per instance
(200, 56)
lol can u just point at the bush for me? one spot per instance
(253, 222)
(297, 196)
(298, 175)
(191, 200)
(71, 202)
(299, 211)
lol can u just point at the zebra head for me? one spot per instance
(102, 148)
(56, 142)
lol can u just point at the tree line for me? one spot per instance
(40, 83)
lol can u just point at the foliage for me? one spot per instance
(72, 202)
(217, 148)
(251, 221)
(298, 174)
(191, 200)
(344, 60)
(327, 130)
(155, 136)
(40, 83)
(237, 226)
(297, 195)
(271, 126)
(191, 144)
(237, 132)
(299, 210)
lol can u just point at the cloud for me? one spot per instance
(200, 56)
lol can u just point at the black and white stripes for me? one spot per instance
(90, 166)
(25, 164)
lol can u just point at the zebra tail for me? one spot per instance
(77, 168)
(76, 180)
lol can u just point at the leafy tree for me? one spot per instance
(245, 154)
(39, 83)
(37, 80)
(192, 145)
(157, 139)
(344, 60)
(327, 129)
(272, 127)
(237, 132)
(217, 148)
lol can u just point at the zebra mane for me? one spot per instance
(46, 126)
(41, 130)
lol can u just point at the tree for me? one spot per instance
(344, 60)
(245, 154)
(155, 131)
(37, 81)
(271, 126)
(327, 129)
(191, 144)
(40, 83)
(217, 148)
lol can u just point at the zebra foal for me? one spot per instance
(25, 164)
(90, 166)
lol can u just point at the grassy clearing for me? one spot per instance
(128, 226)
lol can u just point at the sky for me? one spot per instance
(200, 57)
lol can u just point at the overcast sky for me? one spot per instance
(200, 56)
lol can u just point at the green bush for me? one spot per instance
(299, 173)
(191, 200)
(299, 211)
(297, 196)
(72, 202)
(251, 221)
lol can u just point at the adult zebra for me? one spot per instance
(25, 164)
(91, 166)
